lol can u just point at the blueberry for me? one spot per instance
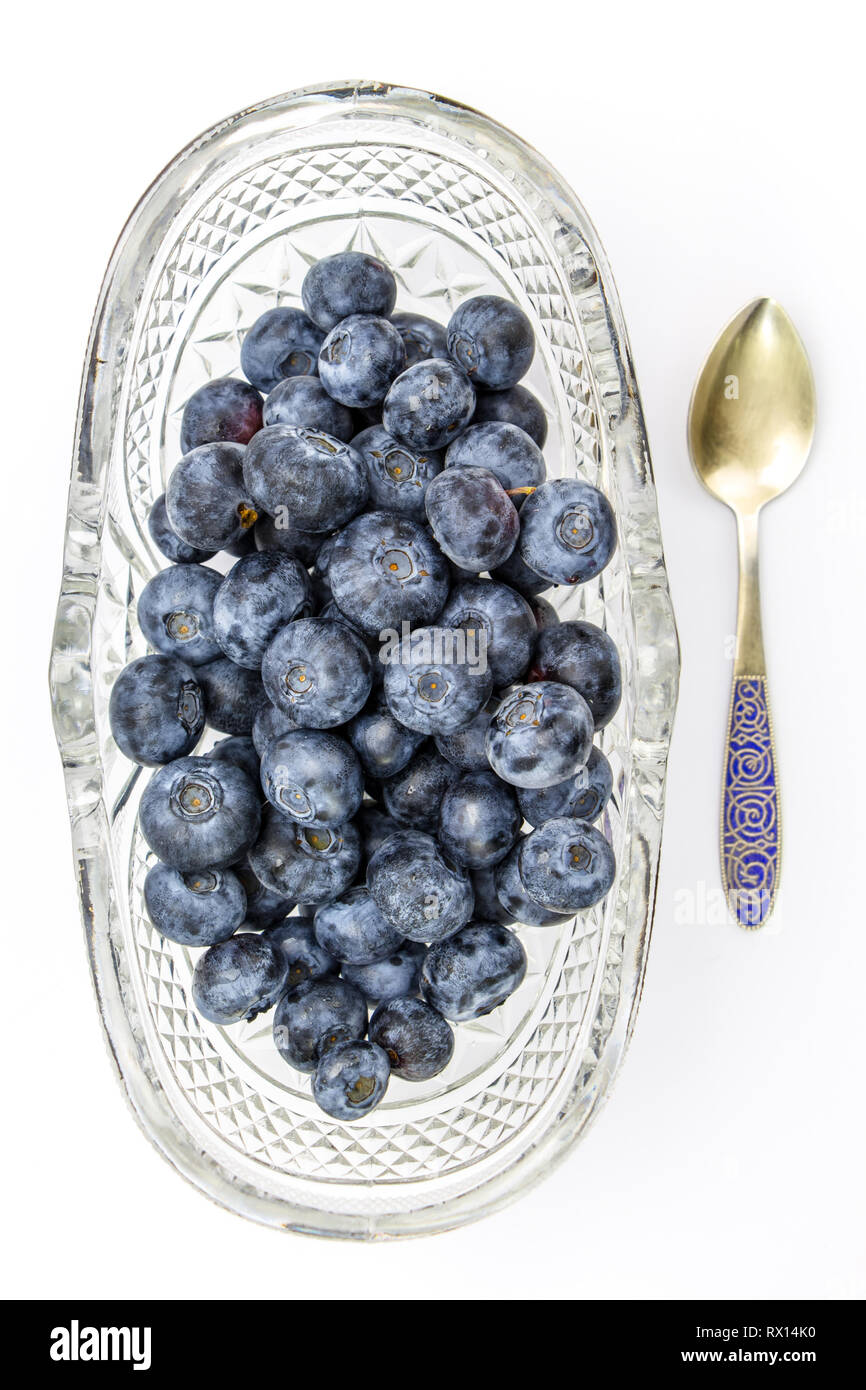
(194, 909)
(492, 340)
(207, 502)
(428, 404)
(543, 612)
(316, 1015)
(305, 478)
(376, 827)
(238, 978)
(412, 797)
(566, 865)
(306, 959)
(473, 518)
(583, 656)
(567, 531)
(354, 930)
(350, 1080)
(422, 337)
(258, 596)
(233, 695)
(418, 1041)
(222, 411)
(506, 451)
(304, 402)
(435, 682)
(305, 863)
(387, 979)
(318, 672)
(175, 612)
(264, 907)
(516, 406)
(478, 820)
(270, 534)
(156, 710)
(417, 889)
(474, 971)
(397, 477)
(541, 733)
(505, 619)
(168, 541)
(198, 813)
(467, 748)
(519, 576)
(281, 343)
(519, 906)
(384, 570)
(382, 743)
(349, 283)
(359, 359)
(489, 907)
(312, 777)
(268, 723)
(584, 795)
(239, 750)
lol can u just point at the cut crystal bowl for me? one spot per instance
(457, 206)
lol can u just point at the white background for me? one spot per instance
(719, 150)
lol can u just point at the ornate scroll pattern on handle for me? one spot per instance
(751, 830)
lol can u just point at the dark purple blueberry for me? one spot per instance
(351, 1079)
(350, 282)
(305, 863)
(492, 340)
(505, 619)
(312, 777)
(238, 979)
(567, 531)
(315, 1016)
(259, 596)
(271, 535)
(354, 930)
(506, 451)
(303, 401)
(473, 518)
(566, 865)
(233, 695)
(428, 405)
(418, 1041)
(584, 795)
(541, 733)
(176, 612)
(585, 657)
(281, 343)
(207, 502)
(385, 570)
(474, 971)
(424, 895)
(359, 359)
(168, 541)
(156, 710)
(422, 337)
(397, 477)
(516, 406)
(437, 681)
(388, 979)
(224, 411)
(198, 814)
(413, 797)
(194, 909)
(318, 672)
(478, 820)
(305, 478)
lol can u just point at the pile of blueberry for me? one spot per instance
(398, 696)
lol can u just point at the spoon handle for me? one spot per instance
(751, 832)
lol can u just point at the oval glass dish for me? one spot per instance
(457, 206)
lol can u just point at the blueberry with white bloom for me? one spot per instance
(197, 813)
(351, 282)
(318, 672)
(492, 339)
(306, 863)
(416, 1037)
(207, 501)
(397, 975)
(507, 451)
(474, 971)
(282, 343)
(306, 959)
(258, 596)
(585, 657)
(313, 777)
(397, 476)
(472, 517)
(315, 1016)
(168, 541)
(194, 909)
(353, 929)
(429, 404)
(385, 570)
(156, 710)
(566, 865)
(584, 795)
(308, 477)
(511, 892)
(430, 684)
(303, 401)
(238, 979)
(351, 1079)
(541, 733)
(567, 531)
(359, 359)
(503, 616)
(417, 888)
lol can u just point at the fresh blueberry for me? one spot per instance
(474, 971)
(396, 476)
(467, 749)
(434, 683)
(315, 1016)
(258, 596)
(428, 405)
(541, 733)
(478, 820)
(176, 612)
(305, 863)
(583, 796)
(353, 929)
(304, 402)
(492, 340)
(515, 406)
(503, 616)
(566, 865)
(567, 531)
(264, 907)
(375, 826)
(318, 672)
(349, 283)
(313, 777)
(388, 979)
(268, 724)
(583, 656)
(412, 797)
(519, 576)
(519, 906)
(305, 478)
(359, 359)
(418, 1041)
(271, 534)
(245, 545)
(156, 710)
(222, 411)
(198, 813)
(506, 451)
(233, 695)
(543, 612)
(473, 518)
(238, 978)
(206, 500)
(489, 907)
(306, 959)
(417, 889)
(422, 337)
(240, 750)
(382, 743)
(194, 909)
(281, 343)
(350, 1080)
(385, 570)
(169, 542)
